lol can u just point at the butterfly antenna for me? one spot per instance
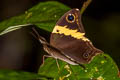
(33, 35)
(37, 36)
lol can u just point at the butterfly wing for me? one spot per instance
(69, 37)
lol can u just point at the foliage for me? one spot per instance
(102, 67)
(19, 75)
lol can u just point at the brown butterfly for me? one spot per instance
(68, 42)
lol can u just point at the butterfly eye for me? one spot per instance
(86, 55)
(70, 18)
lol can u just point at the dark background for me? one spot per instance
(97, 9)
(101, 21)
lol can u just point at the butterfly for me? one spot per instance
(68, 41)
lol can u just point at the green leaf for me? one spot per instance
(102, 67)
(19, 75)
(44, 15)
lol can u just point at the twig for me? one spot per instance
(85, 5)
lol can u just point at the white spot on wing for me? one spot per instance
(77, 9)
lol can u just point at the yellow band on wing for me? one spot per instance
(66, 31)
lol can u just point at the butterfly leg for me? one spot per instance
(57, 64)
(44, 56)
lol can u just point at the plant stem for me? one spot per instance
(85, 5)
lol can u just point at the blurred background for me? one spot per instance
(101, 21)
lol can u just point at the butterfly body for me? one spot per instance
(68, 41)
(57, 54)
